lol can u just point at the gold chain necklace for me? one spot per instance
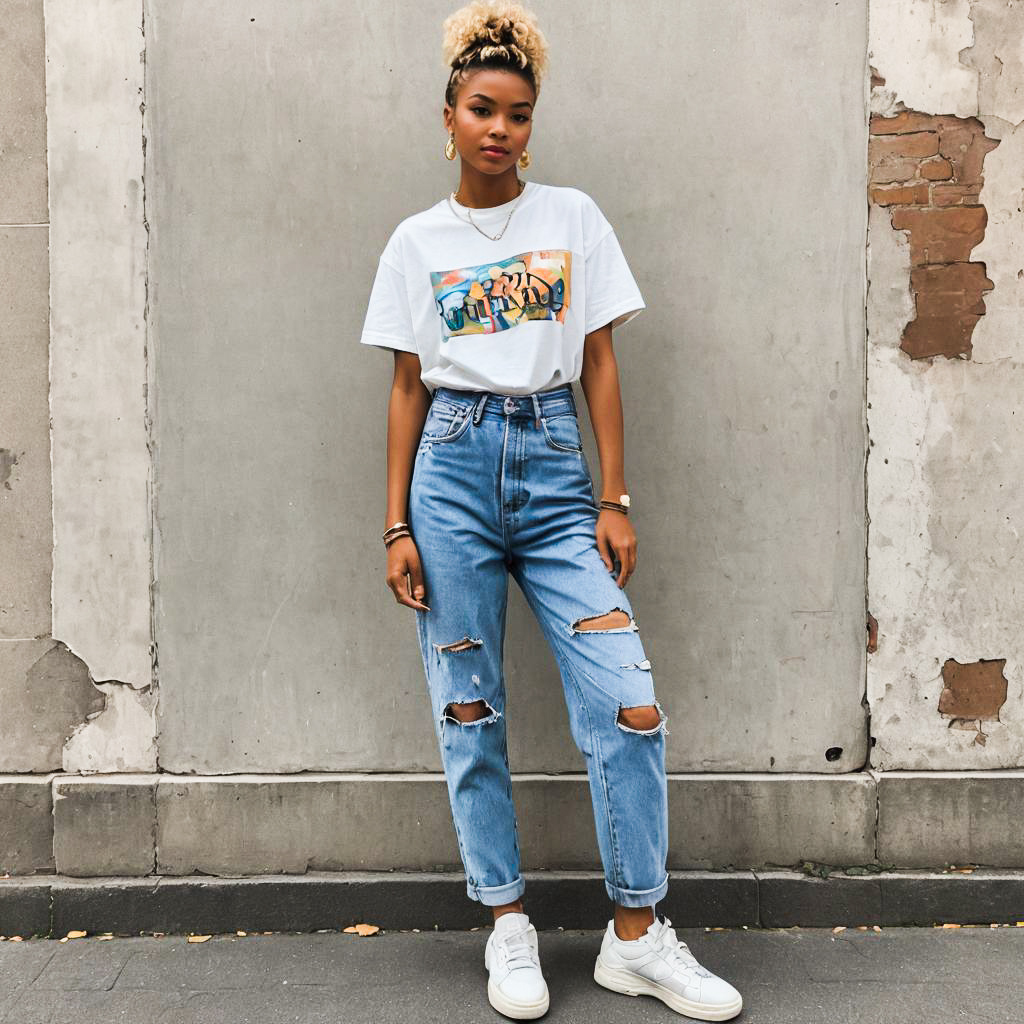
(493, 238)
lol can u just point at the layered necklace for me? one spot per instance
(493, 238)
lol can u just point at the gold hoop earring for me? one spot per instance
(524, 159)
(449, 147)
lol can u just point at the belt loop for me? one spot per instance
(478, 408)
(572, 398)
(536, 409)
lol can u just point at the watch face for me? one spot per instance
(624, 500)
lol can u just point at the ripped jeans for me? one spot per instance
(500, 485)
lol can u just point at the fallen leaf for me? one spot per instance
(198, 938)
(363, 929)
(951, 926)
(839, 928)
(77, 935)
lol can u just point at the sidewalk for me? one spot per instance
(787, 976)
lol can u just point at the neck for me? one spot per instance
(479, 191)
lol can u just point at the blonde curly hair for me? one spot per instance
(493, 34)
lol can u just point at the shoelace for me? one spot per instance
(519, 949)
(677, 951)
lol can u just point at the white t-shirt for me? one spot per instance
(508, 316)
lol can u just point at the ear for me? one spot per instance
(446, 117)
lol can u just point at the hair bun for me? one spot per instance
(487, 28)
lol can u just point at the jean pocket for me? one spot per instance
(562, 432)
(444, 422)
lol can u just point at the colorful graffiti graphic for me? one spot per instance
(496, 296)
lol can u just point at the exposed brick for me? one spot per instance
(955, 195)
(891, 170)
(895, 146)
(964, 144)
(945, 221)
(905, 121)
(936, 169)
(904, 195)
(976, 690)
(941, 235)
(949, 303)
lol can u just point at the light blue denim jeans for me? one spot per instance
(501, 485)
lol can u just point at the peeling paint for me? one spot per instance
(119, 738)
(8, 460)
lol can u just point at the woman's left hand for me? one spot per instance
(615, 537)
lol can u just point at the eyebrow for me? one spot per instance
(525, 103)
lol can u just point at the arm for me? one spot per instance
(407, 412)
(600, 381)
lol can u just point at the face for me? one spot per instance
(492, 119)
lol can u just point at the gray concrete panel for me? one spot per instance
(285, 144)
(104, 825)
(26, 529)
(22, 114)
(244, 824)
(754, 820)
(928, 819)
(26, 824)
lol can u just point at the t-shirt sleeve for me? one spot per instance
(388, 322)
(612, 293)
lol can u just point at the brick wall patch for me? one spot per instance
(927, 170)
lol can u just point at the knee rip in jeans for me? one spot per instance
(638, 719)
(477, 711)
(467, 643)
(618, 620)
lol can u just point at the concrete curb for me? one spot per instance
(51, 906)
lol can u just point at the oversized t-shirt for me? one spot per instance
(508, 316)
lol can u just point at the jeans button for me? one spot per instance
(511, 405)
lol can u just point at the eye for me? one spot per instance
(522, 117)
(484, 110)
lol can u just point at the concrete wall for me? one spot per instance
(285, 144)
(195, 635)
(945, 376)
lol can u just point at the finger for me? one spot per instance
(604, 550)
(419, 590)
(410, 598)
(398, 586)
(623, 556)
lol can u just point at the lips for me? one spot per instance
(496, 150)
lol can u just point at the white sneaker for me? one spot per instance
(516, 986)
(659, 964)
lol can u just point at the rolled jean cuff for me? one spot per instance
(497, 895)
(637, 897)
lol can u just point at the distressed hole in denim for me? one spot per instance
(638, 719)
(476, 712)
(465, 644)
(644, 666)
(618, 620)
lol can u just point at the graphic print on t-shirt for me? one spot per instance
(493, 297)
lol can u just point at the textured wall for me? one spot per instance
(285, 144)
(945, 375)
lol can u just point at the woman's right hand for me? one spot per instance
(405, 573)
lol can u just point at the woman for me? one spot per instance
(495, 301)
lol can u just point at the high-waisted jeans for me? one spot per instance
(501, 485)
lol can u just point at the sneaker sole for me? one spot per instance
(517, 1011)
(631, 984)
